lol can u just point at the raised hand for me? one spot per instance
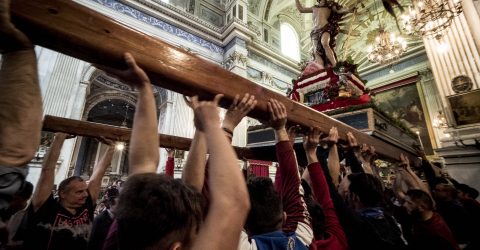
(278, 114)
(404, 162)
(311, 141)
(292, 133)
(352, 141)
(170, 152)
(206, 113)
(133, 75)
(332, 136)
(238, 110)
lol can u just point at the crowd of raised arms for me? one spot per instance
(323, 205)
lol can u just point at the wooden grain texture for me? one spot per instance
(72, 29)
(98, 130)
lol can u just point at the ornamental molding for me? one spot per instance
(180, 15)
(234, 59)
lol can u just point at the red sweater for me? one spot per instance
(334, 236)
(433, 229)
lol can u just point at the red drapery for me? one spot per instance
(259, 168)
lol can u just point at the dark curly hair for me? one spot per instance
(154, 211)
(368, 188)
(266, 213)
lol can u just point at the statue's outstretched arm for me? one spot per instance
(303, 9)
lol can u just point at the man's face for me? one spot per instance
(441, 192)
(75, 194)
(410, 206)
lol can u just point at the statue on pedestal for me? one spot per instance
(326, 17)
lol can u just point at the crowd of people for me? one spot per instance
(214, 206)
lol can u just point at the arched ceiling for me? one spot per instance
(361, 27)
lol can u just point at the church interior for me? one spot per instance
(425, 81)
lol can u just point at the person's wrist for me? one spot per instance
(211, 126)
(142, 86)
(228, 126)
(312, 152)
(227, 131)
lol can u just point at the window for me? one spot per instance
(240, 12)
(289, 42)
(166, 1)
(265, 35)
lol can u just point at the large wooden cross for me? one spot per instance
(98, 130)
(72, 29)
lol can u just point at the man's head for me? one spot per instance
(266, 213)
(20, 198)
(157, 212)
(361, 190)
(443, 190)
(465, 191)
(418, 202)
(73, 192)
(111, 203)
(118, 184)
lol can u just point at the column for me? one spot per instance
(235, 60)
(63, 95)
(473, 19)
(461, 58)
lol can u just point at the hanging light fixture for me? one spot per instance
(430, 18)
(387, 47)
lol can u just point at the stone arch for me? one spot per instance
(101, 96)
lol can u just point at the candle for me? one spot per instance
(419, 139)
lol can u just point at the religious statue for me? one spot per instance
(326, 17)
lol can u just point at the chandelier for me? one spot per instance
(387, 47)
(430, 18)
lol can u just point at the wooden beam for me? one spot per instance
(75, 30)
(97, 130)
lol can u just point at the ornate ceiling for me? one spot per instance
(361, 27)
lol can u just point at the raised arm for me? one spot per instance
(229, 202)
(45, 182)
(289, 187)
(99, 171)
(143, 152)
(301, 8)
(406, 179)
(357, 162)
(194, 170)
(428, 170)
(333, 158)
(321, 189)
(412, 177)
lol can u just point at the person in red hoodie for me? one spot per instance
(330, 235)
